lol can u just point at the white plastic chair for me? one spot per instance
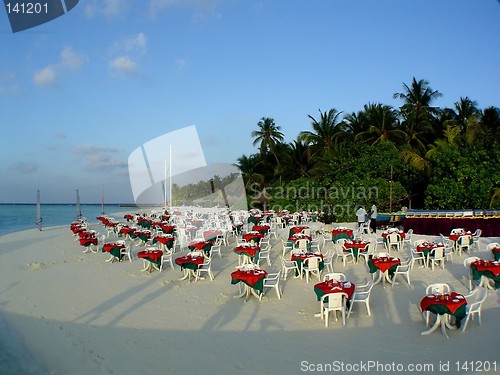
(463, 243)
(403, 269)
(437, 257)
(167, 257)
(340, 253)
(467, 263)
(475, 238)
(264, 253)
(204, 268)
(370, 250)
(288, 265)
(310, 266)
(393, 241)
(272, 281)
(473, 307)
(126, 253)
(333, 302)
(362, 294)
(337, 276)
(286, 246)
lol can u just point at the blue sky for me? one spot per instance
(80, 93)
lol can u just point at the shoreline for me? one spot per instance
(77, 314)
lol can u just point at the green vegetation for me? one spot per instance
(418, 156)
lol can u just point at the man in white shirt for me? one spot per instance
(361, 214)
(373, 218)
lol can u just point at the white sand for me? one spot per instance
(78, 314)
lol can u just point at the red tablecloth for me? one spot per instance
(164, 239)
(384, 234)
(88, 241)
(456, 236)
(127, 230)
(187, 261)
(211, 234)
(332, 286)
(428, 246)
(452, 301)
(107, 247)
(154, 255)
(384, 263)
(249, 277)
(167, 228)
(248, 250)
(261, 228)
(302, 257)
(357, 243)
(299, 236)
(338, 231)
(252, 235)
(487, 265)
(199, 245)
(298, 229)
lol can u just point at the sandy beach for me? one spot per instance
(74, 313)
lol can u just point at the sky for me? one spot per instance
(80, 93)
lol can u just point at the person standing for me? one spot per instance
(373, 218)
(361, 214)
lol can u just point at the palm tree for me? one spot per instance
(383, 125)
(464, 109)
(325, 133)
(268, 135)
(417, 98)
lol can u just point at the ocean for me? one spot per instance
(14, 358)
(16, 217)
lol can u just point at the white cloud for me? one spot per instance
(106, 8)
(132, 44)
(45, 77)
(8, 85)
(25, 167)
(100, 158)
(69, 61)
(124, 65)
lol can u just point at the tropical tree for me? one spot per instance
(267, 136)
(417, 99)
(325, 132)
(383, 125)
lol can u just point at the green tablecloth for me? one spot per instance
(476, 275)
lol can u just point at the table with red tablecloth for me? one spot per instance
(167, 228)
(385, 265)
(299, 258)
(211, 235)
(356, 247)
(249, 251)
(427, 248)
(486, 268)
(114, 249)
(205, 246)
(334, 286)
(297, 229)
(341, 233)
(253, 280)
(444, 305)
(263, 229)
(189, 264)
(164, 239)
(456, 236)
(151, 259)
(88, 242)
(253, 236)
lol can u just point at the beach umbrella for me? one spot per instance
(38, 220)
(78, 208)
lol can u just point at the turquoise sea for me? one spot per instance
(15, 217)
(14, 358)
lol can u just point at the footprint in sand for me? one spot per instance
(37, 266)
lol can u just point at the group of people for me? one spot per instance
(364, 216)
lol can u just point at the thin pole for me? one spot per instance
(38, 221)
(390, 193)
(165, 186)
(170, 172)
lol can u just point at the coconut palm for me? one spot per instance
(267, 136)
(383, 125)
(417, 99)
(325, 133)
